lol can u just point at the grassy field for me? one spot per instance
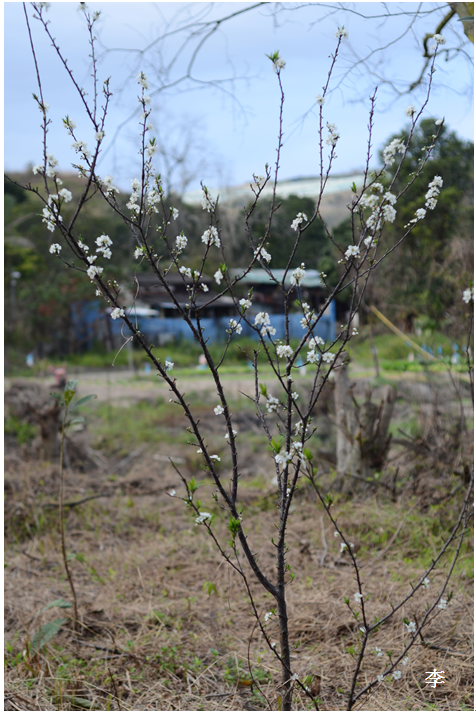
(165, 623)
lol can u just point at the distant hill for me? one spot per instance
(337, 194)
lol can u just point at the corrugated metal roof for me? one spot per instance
(260, 276)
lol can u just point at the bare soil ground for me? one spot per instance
(152, 637)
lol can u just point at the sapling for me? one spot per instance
(65, 401)
(286, 419)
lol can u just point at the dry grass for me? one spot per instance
(152, 638)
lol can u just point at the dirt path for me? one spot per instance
(124, 387)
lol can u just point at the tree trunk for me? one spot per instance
(363, 438)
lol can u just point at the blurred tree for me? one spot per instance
(427, 272)
(421, 275)
(314, 242)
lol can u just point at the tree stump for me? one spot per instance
(49, 423)
(363, 437)
(30, 402)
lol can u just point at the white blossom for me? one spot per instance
(420, 213)
(328, 357)
(320, 100)
(103, 241)
(313, 356)
(218, 276)
(410, 111)
(342, 32)
(245, 304)
(272, 403)
(439, 122)
(55, 249)
(333, 135)
(262, 254)
(294, 396)
(65, 194)
(99, 135)
(219, 410)
(270, 330)
(373, 222)
(175, 213)
(69, 124)
(146, 100)
(186, 271)
(352, 250)
(204, 287)
(181, 242)
(284, 351)
(169, 365)
(468, 295)
(439, 39)
(316, 341)
(235, 326)
(426, 583)
(142, 81)
(298, 275)
(411, 626)
(378, 652)
(37, 169)
(301, 217)
(268, 615)
(259, 179)
(139, 252)
(172, 492)
(358, 597)
(390, 198)
(151, 149)
(82, 246)
(203, 517)
(442, 604)
(369, 200)
(207, 202)
(283, 457)
(389, 213)
(262, 319)
(396, 674)
(117, 313)
(153, 199)
(107, 185)
(380, 678)
(94, 271)
(235, 433)
(210, 237)
(390, 151)
(82, 147)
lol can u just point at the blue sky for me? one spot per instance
(234, 132)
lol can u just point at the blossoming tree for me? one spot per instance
(285, 420)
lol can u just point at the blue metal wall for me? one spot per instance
(213, 329)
